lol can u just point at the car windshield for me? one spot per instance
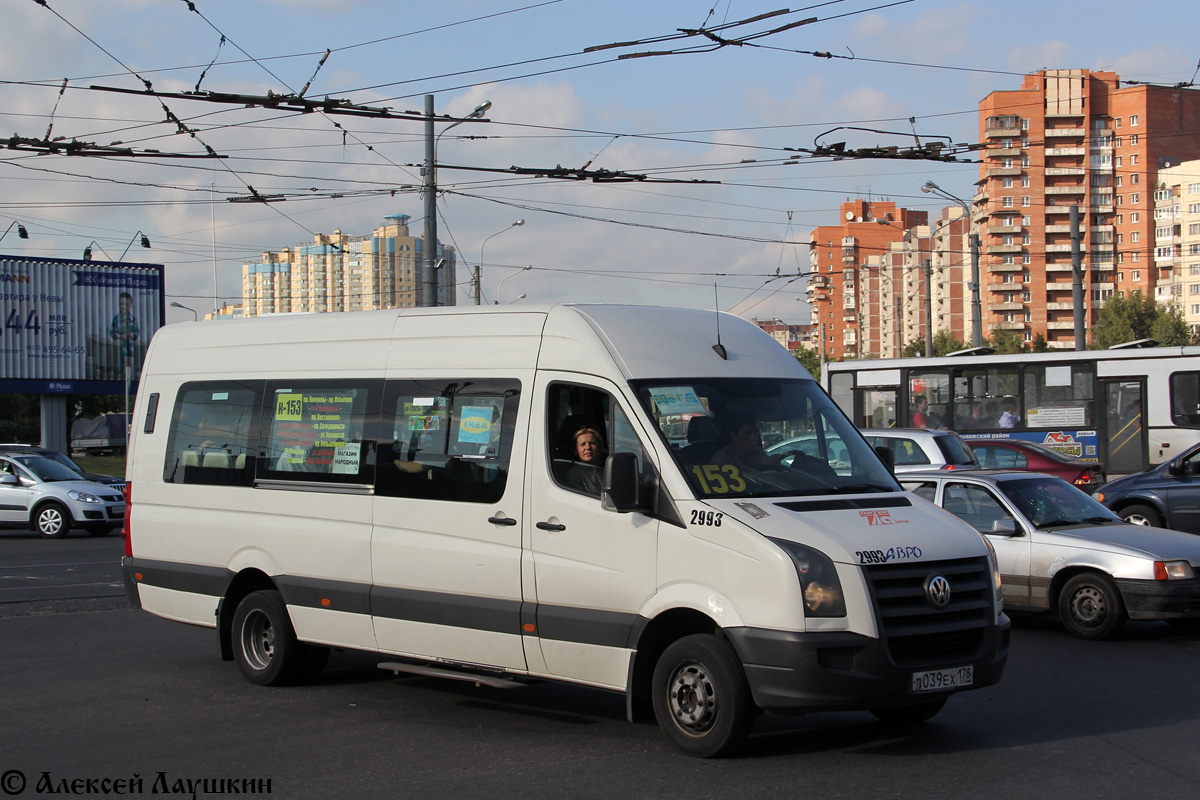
(956, 451)
(46, 469)
(1052, 502)
(816, 451)
(65, 460)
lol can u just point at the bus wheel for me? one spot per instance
(1090, 606)
(701, 699)
(265, 646)
(52, 521)
(1142, 515)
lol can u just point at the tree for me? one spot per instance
(1006, 342)
(1040, 345)
(943, 342)
(1125, 319)
(809, 359)
(1169, 329)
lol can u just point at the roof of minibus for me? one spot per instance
(615, 340)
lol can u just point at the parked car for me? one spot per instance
(50, 498)
(1037, 457)
(1059, 550)
(1165, 496)
(66, 461)
(919, 449)
(835, 452)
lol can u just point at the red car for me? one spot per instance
(1013, 454)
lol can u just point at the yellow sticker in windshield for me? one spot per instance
(719, 478)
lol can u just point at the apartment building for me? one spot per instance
(1177, 239)
(338, 272)
(848, 276)
(1073, 137)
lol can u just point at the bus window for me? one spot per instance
(1059, 396)
(979, 395)
(879, 408)
(928, 400)
(1185, 399)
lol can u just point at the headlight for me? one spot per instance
(1173, 571)
(995, 562)
(82, 497)
(818, 580)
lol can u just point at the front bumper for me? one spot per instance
(793, 672)
(1161, 599)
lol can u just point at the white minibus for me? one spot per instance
(567, 492)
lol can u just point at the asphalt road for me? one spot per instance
(95, 690)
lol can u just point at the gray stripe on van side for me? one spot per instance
(192, 578)
(352, 598)
(587, 625)
(440, 608)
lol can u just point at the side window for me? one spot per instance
(1185, 399)
(585, 425)
(213, 434)
(907, 452)
(974, 505)
(926, 490)
(447, 439)
(317, 431)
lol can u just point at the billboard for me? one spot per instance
(72, 327)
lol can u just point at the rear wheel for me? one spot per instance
(701, 699)
(264, 643)
(910, 715)
(1091, 607)
(52, 521)
(1141, 514)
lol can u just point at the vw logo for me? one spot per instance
(937, 590)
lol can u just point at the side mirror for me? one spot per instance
(887, 456)
(1005, 527)
(622, 483)
(8, 479)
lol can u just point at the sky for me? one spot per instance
(721, 128)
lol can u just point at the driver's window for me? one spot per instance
(584, 426)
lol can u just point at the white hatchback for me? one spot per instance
(51, 498)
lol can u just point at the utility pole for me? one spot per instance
(427, 285)
(976, 305)
(1077, 280)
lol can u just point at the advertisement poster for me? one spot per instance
(317, 432)
(75, 327)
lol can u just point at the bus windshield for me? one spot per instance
(761, 437)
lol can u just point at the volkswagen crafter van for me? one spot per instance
(408, 483)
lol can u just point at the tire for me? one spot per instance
(1141, 514)
(910, 715)
(701, 698)
(52, 521)
(264, 643)
(1091, 607)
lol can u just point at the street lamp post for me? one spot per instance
(976, 306)
(499, 288)
(430, 191)
(195, 316)
(479, 269)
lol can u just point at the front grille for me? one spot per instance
(112, 498)
(847, 503)
(915, 631)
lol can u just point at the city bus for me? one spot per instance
(1126, 408)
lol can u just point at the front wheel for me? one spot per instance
(1141, 514)
(701, 699)
(264, 643)
(52, 521)
(1091, 607)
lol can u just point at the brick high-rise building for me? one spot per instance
(845, 284)
(1073, 137)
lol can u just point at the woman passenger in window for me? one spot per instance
(584, 474)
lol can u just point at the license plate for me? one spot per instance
(942, 680)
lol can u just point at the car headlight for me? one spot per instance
(82, 497)
(995, 562)
(1173, 571)
(818, 580)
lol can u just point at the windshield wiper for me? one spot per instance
(1102, 520)
(1058, 523)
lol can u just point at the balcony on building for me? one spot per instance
(1058, 248)
(1069, 325)
(1061, 133)
(1066, 151)
(1005, 307)
(1004, 152)
(1000, 172)
(1007, 267)
(998, 249)
(1060, 287)
(1056, 266)
(1077, 188)
(1002, 229)
(1010, 326)
(1066, 170)
(1015, 286)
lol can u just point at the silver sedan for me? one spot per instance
(1060, 550)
